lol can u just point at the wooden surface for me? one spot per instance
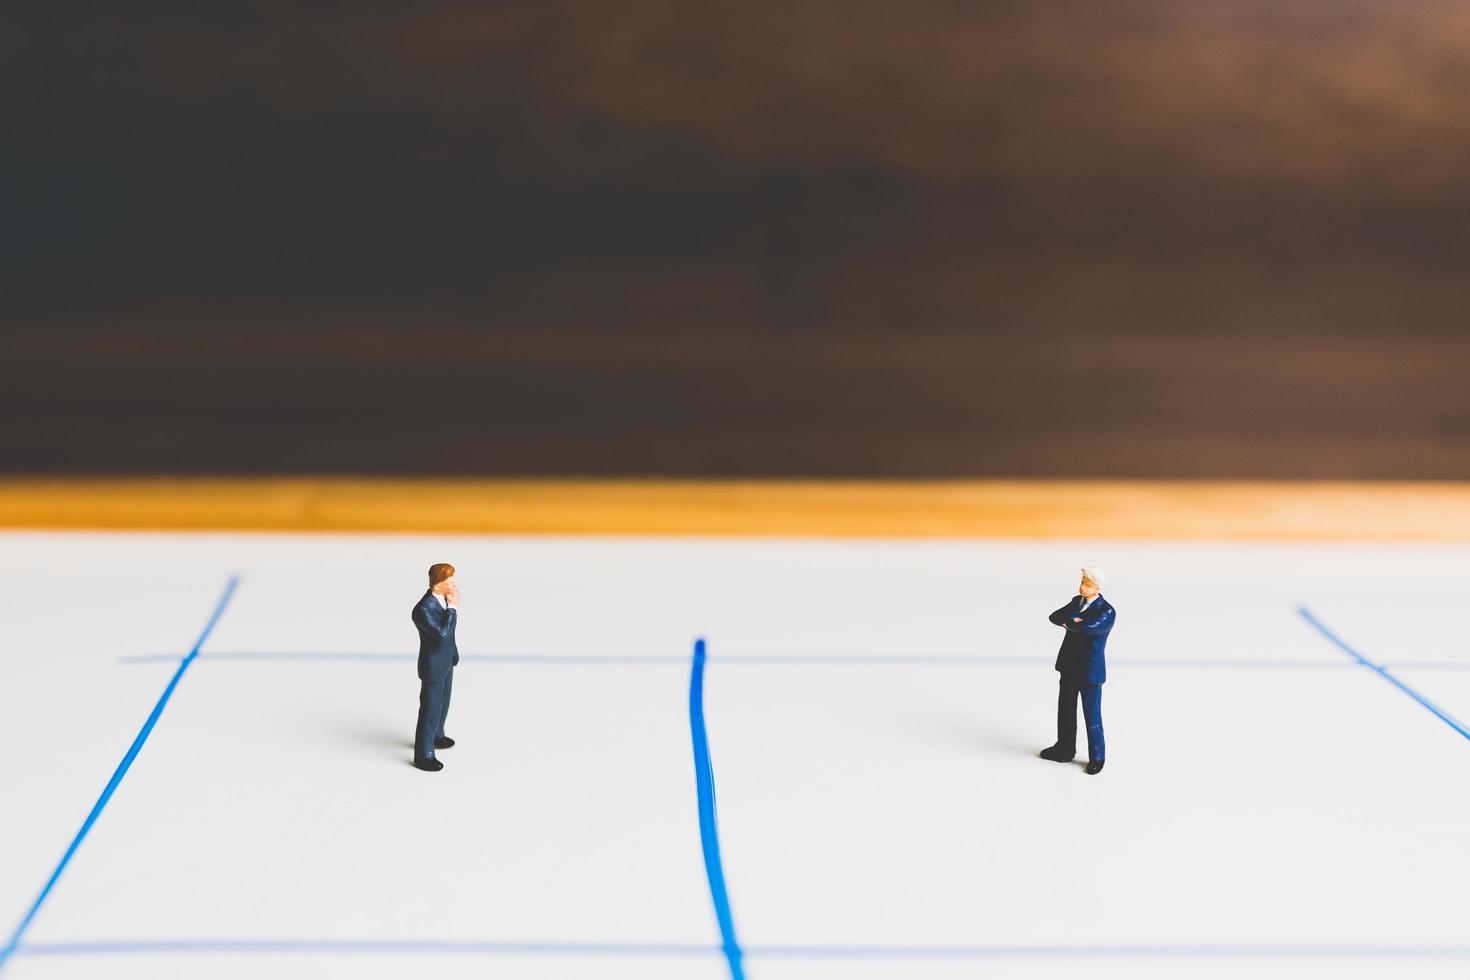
(989, 508)
(735, 403)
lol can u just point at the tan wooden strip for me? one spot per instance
(960, 508)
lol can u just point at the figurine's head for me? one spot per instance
(1092, 580)
(441, 578)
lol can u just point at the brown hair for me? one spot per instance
(439, 572)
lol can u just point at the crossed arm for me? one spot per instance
(1098, 623)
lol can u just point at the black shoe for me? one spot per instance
(428, 765)
(443, 743)
(1058, 754)
(1094, 767)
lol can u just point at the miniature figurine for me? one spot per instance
(435, 616)
(1088, 619)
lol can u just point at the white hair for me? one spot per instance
(1096, 575)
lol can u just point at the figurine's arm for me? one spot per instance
(1059, 618)
(1101, 624)
(440, 629)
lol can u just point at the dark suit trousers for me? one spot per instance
(1091, 694)
(433, 709)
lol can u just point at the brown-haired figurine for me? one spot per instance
(435, 616)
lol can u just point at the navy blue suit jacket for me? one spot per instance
(437, 650)
(1081, 656)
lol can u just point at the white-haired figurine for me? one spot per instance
(1088, 619)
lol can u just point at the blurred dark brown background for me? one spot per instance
(839, 238)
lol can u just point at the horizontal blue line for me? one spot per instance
(805, 952)
(844, 659)
(510, 658)
(401, 946)
(1141, 951)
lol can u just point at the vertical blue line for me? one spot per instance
(117, 776)
(709, 834)
(1382, 671)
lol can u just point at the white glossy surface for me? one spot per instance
(1261, 790)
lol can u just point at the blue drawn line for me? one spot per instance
(709, 835)
(505, 658)
(350, 946)
(815, 659)
(1138, 951)
(787, 952)
(118, 774)
(1382, 671)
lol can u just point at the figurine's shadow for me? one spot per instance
(975, 734)
(366, 734)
